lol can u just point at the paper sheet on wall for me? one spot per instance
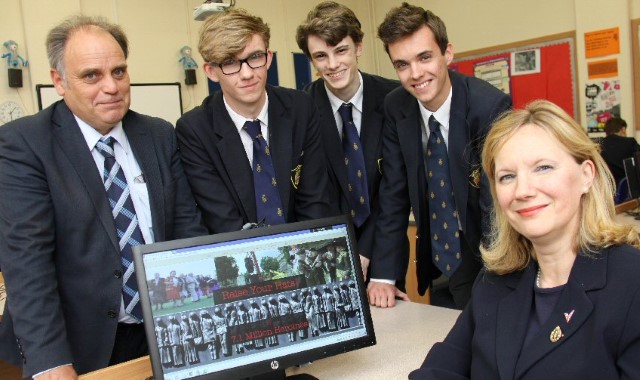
(496, 72)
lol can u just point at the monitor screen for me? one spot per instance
(251, 302)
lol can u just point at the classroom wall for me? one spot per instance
(157, 29)
(490, 22)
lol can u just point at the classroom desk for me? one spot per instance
(404, 335)
(628, 219)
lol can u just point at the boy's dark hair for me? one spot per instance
(330, 21)
(404, 20)
(614, 125)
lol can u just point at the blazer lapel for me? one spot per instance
(572, 310)
(512, 321)
(281, 144)
(410, 139)
(333, 145)
(71, 141)
(458, 144)
(144, 149)
(371, 128)
(233, 156)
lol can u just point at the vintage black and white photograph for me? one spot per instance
(525, 62)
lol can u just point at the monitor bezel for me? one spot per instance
(265, 366)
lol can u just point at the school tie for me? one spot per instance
(268, 204)
(127, 227)
(354, 160)
(445, 237)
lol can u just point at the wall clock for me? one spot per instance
(10, 110)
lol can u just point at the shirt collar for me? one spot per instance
(356, 100)
(91, 136)
(441, 114)
(239, 120)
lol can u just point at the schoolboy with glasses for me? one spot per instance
(252, 152)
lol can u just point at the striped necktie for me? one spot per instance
(126, 223)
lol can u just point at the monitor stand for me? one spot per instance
(281, 375)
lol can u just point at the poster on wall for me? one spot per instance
(602, 103)
(496, 72)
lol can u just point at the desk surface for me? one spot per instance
(628, 219)
(404, 333)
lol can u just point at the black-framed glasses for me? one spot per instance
(232, 66)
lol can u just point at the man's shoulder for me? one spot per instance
(287, 94)
(151, 128)
(631, 141)
(33, 129)
(399, 96)
(31, 123)
(380, 83)
(476, 88)
(201, 113)
(291, 101)
(615, 141)
(479, 101)
(315, 86)
(149, 122)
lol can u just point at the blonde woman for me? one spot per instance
(560, 293)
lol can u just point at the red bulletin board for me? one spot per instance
(555, 81)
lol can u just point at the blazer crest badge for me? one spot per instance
(474, 177)
(295, 176)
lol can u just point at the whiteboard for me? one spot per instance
(163, 100)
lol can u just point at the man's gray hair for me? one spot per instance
(59, 36)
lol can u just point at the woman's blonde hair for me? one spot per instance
(508, 250)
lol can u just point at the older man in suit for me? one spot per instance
(252, 152)
(433, 138)
(331, 37)
(81, 182)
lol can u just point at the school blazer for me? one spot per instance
(219, 172)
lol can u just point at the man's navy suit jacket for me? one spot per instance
(59, 251)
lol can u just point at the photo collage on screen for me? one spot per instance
(238, 304)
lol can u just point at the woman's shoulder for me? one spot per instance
(623, 259)
(491, 284)
(624, 254)
(488, 276)
(613, 269)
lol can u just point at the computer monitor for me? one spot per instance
(253, 302)
(632, 172)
